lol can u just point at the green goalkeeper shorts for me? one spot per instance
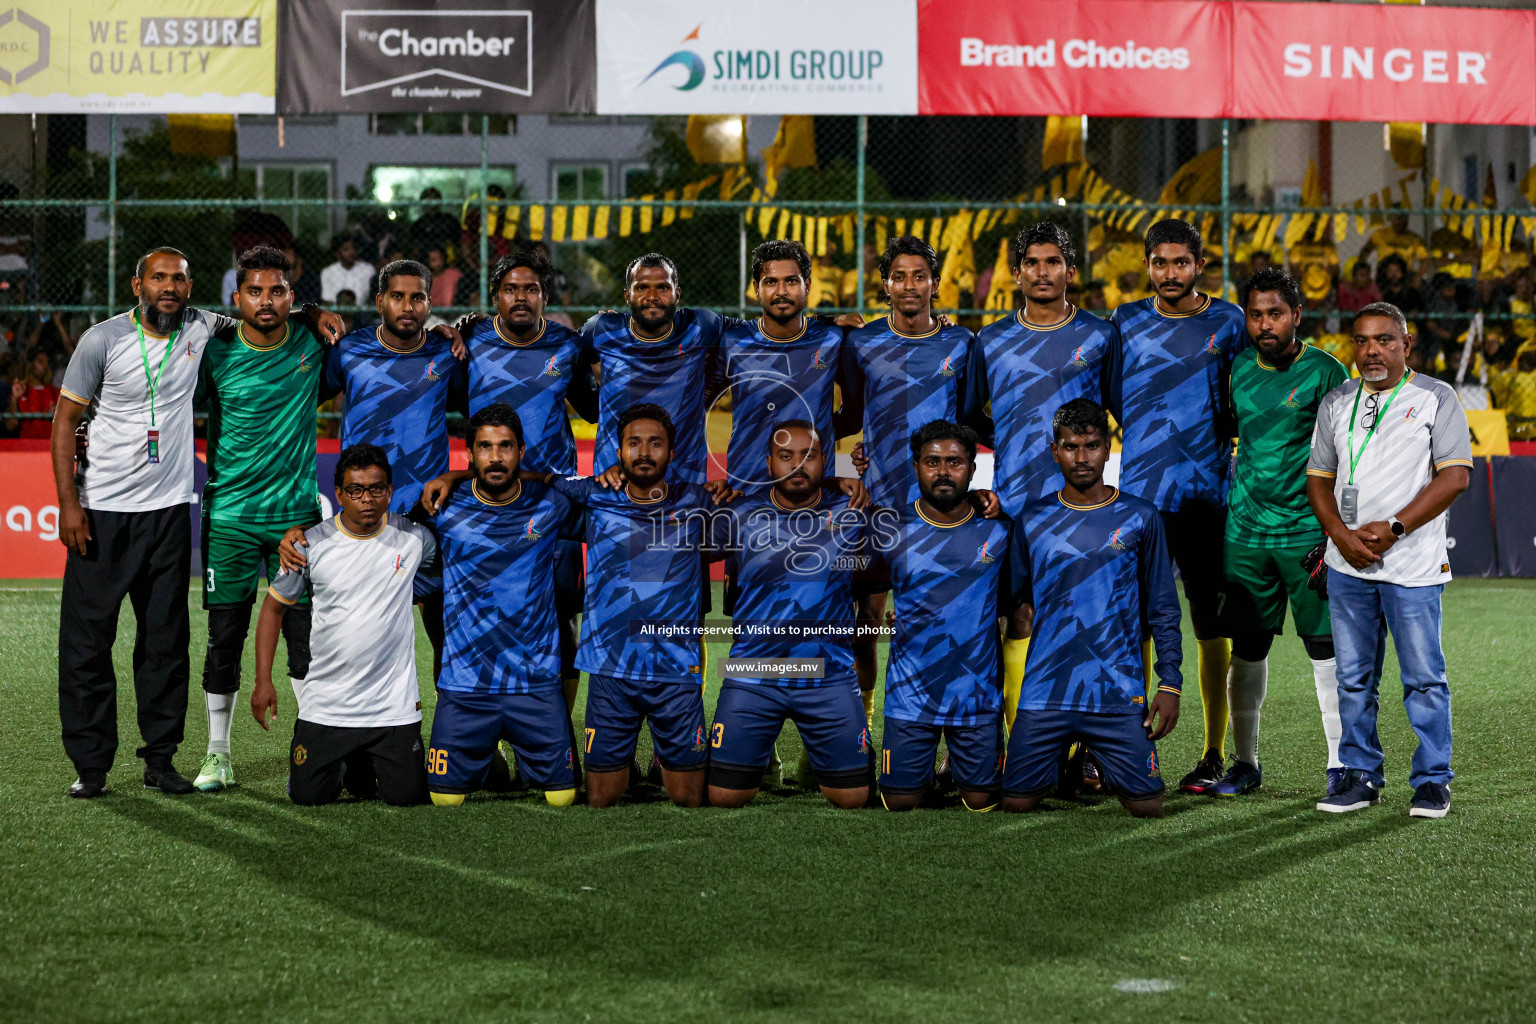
(236, 555)
(1256, 585)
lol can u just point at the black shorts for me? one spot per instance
(1194, 534)
(385, 762)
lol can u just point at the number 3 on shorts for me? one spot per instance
(717, 734)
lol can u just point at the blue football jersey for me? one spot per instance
(499, 589)
(644, 581)
(794, 571)
(1099, 579)
(670, 371)
(1026, 373)
(770, 381)
(948, 578)
(533, 378)
(900, 382)
(398, 401)
(1170, 400)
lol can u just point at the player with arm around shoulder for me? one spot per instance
(358, 725)
(1097, 579)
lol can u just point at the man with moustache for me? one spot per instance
(796, 547)
(124, 520)
(262, 383)
(1276, 388)
(1391, 452)
(501, 667)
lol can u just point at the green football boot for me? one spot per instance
(217, 773)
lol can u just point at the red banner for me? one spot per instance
(1103, 58)
(1357, 62)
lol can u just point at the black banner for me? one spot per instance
(409, 56)
(1469, 527)
(1514, 504)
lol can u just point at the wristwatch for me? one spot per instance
(1398, 529)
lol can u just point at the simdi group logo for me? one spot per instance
(747, 70)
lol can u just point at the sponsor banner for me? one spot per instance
(150, 56)
(796, 57)
(1469, 526)
(1103, 58)
(1514, 499)
(1358, 62)
(479, 56)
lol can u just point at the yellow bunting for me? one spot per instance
(535, 223)
(783, 229)
(558, 216)
(669, 213)
(581, 219)
(626, 221)
(600, 223)
(821, 236)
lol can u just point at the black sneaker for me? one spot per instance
(1431, 800)
(1338, 778)
(1093, 776)
(1359, 791)
(167, 780)
(89, 785)
(1205, 774)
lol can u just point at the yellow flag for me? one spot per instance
(509, 219)
(1063, 141)
(535, 223)
(783, 229)
(1000, 292)
(626, 221)
(600, 223)
(669, 213)
(793, 146)
(210, 135)
(821, 236)
(1405, 141)
(845, 229)
(717, 139)
(647, 213)
(1198, 182)
(559, 215)
(581, 219)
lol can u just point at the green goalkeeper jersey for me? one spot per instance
(261, 426)
(1276, 410)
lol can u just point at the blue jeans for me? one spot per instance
(1363, 612)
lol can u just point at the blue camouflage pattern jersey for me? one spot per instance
(670, 371)
(499, 589)
(398, 401)
(794, 566)
(643, 572)
(949, 580)
(1099, 579)
(899, 382)
(770, 381)
(533, 378)
(1170, 400)
(1027, 373)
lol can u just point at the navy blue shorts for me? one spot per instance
(1127, 758)
(467, 726)
(908, 749)
(616, 708)
(749, 718)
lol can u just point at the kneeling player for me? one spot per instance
(949, 566)
(359, 720)
(796, 546)
(501, 659)
(1097, 578)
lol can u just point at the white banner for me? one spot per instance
(734, 57)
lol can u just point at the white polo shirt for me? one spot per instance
(1422, 431)
(362, 644)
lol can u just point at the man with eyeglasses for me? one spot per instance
(1391, 451)
(358, 725)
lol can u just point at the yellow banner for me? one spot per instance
(151, 56)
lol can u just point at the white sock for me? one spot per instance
(1246, 683)
(1326, 676)
(221, 713)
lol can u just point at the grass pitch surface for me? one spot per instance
(241, 907)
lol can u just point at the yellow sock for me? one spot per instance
(560, 797)
(869, 706)
(1215, 655)
(447, 799)
(1015, 654)
(1149, 664)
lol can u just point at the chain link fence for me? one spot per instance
(74, 217)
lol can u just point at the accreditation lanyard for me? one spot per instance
(1354, 456)
(153, 383)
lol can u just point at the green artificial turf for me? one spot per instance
(241, 907)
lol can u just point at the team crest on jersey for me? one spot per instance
(552, 368)
(1290, 401)
(1153, 770)
(1210, 346)
(1412, 413)
(531, 531)
(300, 755)
(945, 370)
(398, 566)
(830, 522)
(984, 553)
(304, 364)
(1115, 541)
(698, 738)
(864, 741)
(1077, 359)
(430, 373)
(816, 361)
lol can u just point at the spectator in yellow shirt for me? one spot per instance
(1394, 239)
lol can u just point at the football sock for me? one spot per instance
(560, 797)
(1015, 654)
(1325, 676)
(1213, 657)
(221, 708)
(1149, 664)
(1246, 685)
(869, 706)
(447, 799)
